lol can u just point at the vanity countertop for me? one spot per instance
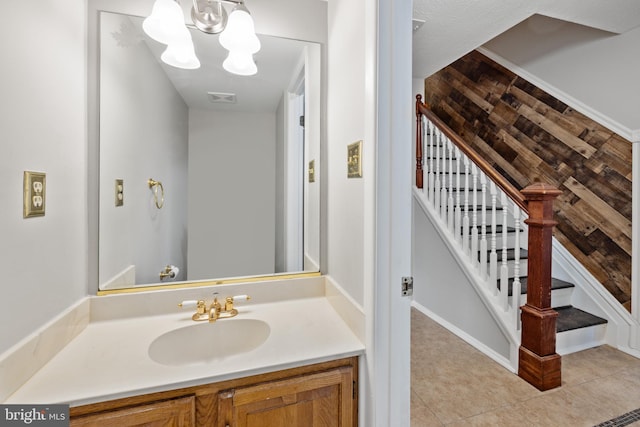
(109, 358)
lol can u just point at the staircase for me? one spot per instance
(576, 329)
(483, 219)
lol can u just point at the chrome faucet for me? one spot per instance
(215, 310)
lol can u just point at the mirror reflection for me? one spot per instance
(205, 175)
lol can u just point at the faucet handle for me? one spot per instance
(228, 303)
(199, 305)
(190, 303)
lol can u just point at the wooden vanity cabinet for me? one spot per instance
(320, 395)
(324, 399)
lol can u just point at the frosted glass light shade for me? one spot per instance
(240, 63)
(240, 33)
(164, 22)
(180, 52)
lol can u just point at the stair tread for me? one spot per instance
(456, 190)
(462, 172)
(555, 284)
(570, 318)
(478, 208)
(511, 254)
(499, 228)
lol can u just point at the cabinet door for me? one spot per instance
(323, 399)
(169, 413)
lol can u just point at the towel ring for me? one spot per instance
(154, 185)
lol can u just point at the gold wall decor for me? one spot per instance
(354, 160)
(34, 194)
(312, 171)
(119, 192)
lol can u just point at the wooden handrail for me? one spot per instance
(500, 181)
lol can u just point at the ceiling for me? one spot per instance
(452, 28)
(276, 61)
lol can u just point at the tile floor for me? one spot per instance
(453, 384)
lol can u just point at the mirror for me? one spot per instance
(204, 175)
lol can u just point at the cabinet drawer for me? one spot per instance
(169, 413)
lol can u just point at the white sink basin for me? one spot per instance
(205, 342)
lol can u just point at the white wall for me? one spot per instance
(42, 128)
(231, 227)
(441, 287)
(143, 134)
(298, 19)
(345, 125)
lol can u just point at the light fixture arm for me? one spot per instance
(211, 19)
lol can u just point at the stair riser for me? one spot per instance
(559, 297)
(511, 267)
(511, 240)
(479, 218)
(451, 185)
(487, 224)
(454, 194)
(580, 339)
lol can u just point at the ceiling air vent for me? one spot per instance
(222, 98)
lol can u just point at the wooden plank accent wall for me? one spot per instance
(528, 135)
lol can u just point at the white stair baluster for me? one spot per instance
(436, 187)
(465, 220)
(504, 269)
(474, 217)
(493, 256)
(443, 190)
(483, 230)
(516, 269)
(450, 207)
(457, 222)
(431, 177)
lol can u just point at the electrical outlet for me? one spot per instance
(119, 192)
(34, 194)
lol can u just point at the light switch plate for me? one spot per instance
(34, 196)
(354, 160)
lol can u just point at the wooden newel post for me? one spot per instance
(419, 172)
(539, 364)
